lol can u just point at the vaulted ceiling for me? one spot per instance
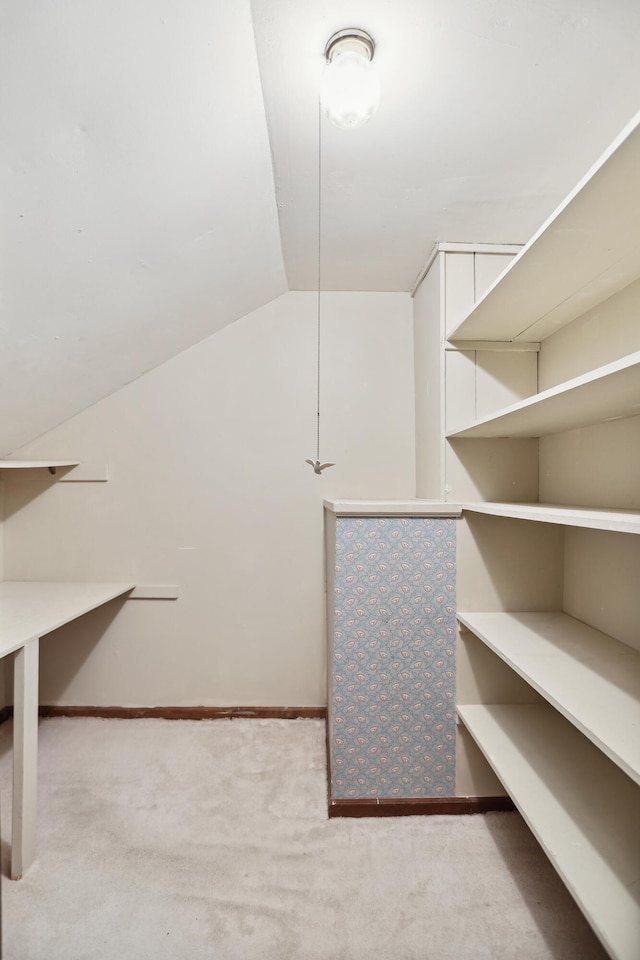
(159, 163)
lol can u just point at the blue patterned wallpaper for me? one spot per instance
(393, 672)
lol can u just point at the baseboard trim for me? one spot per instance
(412, 808)
(186, 713)
(337, 808)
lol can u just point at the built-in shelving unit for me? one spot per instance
(550, 607)
(586, 251)
(582, 809)
(592, 679)
(609, 393)
(593, 518)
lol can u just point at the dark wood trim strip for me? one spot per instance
(187, 713)
(327, 731)
(426, 806)
(5, 713)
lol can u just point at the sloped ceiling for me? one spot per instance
(159, 163)
(141, 215)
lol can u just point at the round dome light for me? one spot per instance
(350, 91)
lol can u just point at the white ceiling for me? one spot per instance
(491, 111)
(159, 163)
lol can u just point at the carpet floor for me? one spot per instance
(210, 841)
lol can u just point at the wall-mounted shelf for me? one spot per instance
(616, 520)
(582, 809)
(586, 251)
(36, 464)
(592, 679)
(72, 471)
(609, 393)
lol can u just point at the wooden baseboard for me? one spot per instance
(412, 808)
(186, 713)
(337, 808)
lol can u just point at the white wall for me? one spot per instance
(209, 490)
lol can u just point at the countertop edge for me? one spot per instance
(392, 508)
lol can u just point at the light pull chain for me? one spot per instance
(318, 467)
(319, 273)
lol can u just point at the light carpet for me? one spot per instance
(210, 841)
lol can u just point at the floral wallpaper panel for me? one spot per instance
(393, 672)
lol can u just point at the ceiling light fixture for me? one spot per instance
(349, 96)
(350, 91)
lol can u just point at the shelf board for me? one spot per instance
(592, 679)
(31, 608)
(610, 392)
(36, 464)
(583, 810)
(616, 520)
(586, 251)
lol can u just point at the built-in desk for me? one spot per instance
(28, 611)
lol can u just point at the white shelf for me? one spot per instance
(392, 508)
(586, 251)
(30, 609)
(593, 680)
(36, 464)
(607, 393)
(616, 520)
(583, 810)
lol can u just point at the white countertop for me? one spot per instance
(393, 508)
(29, 609)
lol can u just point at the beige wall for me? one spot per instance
(603, 334)
(209, 490)
(600, 465)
